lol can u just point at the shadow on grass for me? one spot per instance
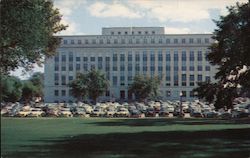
(223, 144)
(169, 121)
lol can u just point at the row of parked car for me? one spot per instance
(134, 109)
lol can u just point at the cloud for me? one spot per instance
(66, 8)
(173, 30)
(161, 10)
(116, 9)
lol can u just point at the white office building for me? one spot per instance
(123, 52)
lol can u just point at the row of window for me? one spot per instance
(139, 41)
(130, 67)
(144, 57)
(133, 32)
(199, 78)
(167, 94)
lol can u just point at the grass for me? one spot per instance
(118, 138)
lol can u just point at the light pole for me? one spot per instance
(181, 104)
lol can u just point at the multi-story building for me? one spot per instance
(122, 52)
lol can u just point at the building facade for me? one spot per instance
(123, 52)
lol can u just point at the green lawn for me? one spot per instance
(116, 138)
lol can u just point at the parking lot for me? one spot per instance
(170, 109)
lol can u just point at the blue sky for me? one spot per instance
(87, 17)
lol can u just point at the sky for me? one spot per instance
(87, 17)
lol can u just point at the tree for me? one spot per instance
(78, 87)
(144, 87)
(11, 89)
(37, 80)
(97, 84)
(28, 91)
(27, 32)
(230, 53)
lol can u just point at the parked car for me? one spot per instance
(23, 113)
(79, 111)
(210, 114)
(65, 112)
(122, 112)
(97, 112)
(110, 112)
(196, 114)
(163, 112)
(150, 112)
(136, 114)
(36, 112)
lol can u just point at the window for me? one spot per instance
(70, 66)
(191, 77)
(208, 68)
(130, 67)
(65, 42)
(99, 59)
(153, 32)
(183, 68)
(130, 57)
(85, 59)
(145, 40)
(139, 32)
(191, 68)
(92, 59)
(183, 56)
(70, 78)
(85, 67)
(86, 41)
(78, 59)
(168, 68)
(152, 68)
(160, 58)
(145, 68)
(114, 67)
(191, 40)
(63, 68)
(119, 33)
(145, 58)
(114, 57)
(79, 41)
(198, 40)
(122, 80)
(56, 67)
(146, 32)
(191, 56)
(123, 41)
(183, 40)
(137, 41)
(63, 58)
(176, 58)
(130, 41)
(93, 41)
(122, 67)
(184, 93)
(56, 79)
(199, 68)
(175, 41)
(63, 78)
(176, 80)
(78, 66)
(108, 41)
(206, 40)
(191, 94)
(71, 58)
(199, 78)
(115, 41)
(107, 93)
(168, 93)
(63, 93)
(122, 57)
(160, 41)
(114, 80)
(208, 78)
(167, 41)
(101, 41)
(72, 42)
(126, 32)
(112, 33)
(152, 41)
(107, 59)
(199, 58)
(137, 57)
(56, 93)
(152, 57)
(56, 58)
(168, 57)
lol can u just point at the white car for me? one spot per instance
(23, 113)
(110, 112)
(65, 112)
(97, 112)
(122, 112)
(36, 112)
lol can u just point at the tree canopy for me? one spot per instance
(93, 84)
(231, 54)
(27, 32)
(11, 89)
(144, 87)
